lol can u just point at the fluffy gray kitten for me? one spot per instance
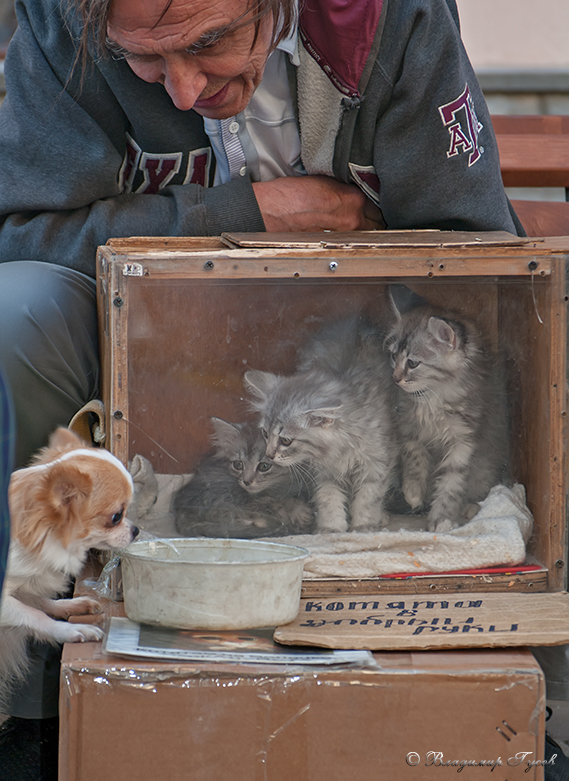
(333, 417)
(452, 413)
(238, 492)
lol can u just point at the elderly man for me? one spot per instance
(193, 117)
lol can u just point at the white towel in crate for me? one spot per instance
(497, 535)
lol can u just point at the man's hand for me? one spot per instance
(315, 203)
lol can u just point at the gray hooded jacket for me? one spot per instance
(387, 99)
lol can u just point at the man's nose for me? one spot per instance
(184, 80)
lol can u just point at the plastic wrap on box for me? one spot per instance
(127, 719)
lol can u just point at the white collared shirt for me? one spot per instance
(262, 141)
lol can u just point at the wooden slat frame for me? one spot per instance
(540, 265)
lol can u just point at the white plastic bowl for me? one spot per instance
(196, 583)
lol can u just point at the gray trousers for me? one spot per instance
(49, 349)
(49, 355)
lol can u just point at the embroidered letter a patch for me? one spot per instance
(459, 117)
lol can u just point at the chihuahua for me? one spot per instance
(70, 499)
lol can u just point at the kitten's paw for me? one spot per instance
(440, 525)
(414, 493)
(300, 516)
(331, 519)
(366, 527)
(373, 525)
(471, 510)
(330, 527)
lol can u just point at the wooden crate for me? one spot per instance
(182, 318)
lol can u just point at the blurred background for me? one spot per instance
(7, 25)
(520, 53)
(519, 49)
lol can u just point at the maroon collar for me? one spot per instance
(339, 35)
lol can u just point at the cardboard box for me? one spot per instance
(182, 318)
(412, 716)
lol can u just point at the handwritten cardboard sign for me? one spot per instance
(413, 622)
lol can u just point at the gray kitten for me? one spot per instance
(238, 492)
(451, 411)
(333, 417)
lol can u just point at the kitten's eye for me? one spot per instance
(237, 465)
(117, 518)
(264, 466)
(412, 364)
(285, 441)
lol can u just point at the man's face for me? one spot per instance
(198, 49)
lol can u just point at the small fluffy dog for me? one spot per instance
(72, 498)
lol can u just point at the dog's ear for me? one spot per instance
(52, 501)
(68, 489)
(65, 438)
(67, 484)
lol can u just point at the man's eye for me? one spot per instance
(206, 46)
(119, 53)
(208, 42)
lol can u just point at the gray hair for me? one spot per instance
(94, 15)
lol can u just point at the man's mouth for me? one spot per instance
(214, 100)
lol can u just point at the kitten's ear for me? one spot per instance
(224, 434)
(403, 299)
(443, 332)
(323, 417)
(259, 383)
(389, 343)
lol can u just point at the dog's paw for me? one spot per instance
(84, 606)
(78, 633)
(78, 606)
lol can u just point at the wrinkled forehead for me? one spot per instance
(140, 17)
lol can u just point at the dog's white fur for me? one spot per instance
(71, 499)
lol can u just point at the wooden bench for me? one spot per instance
(534, 152)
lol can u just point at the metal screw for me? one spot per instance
(208, 265)
(118, 301)
(333, 265)
(117, 414)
